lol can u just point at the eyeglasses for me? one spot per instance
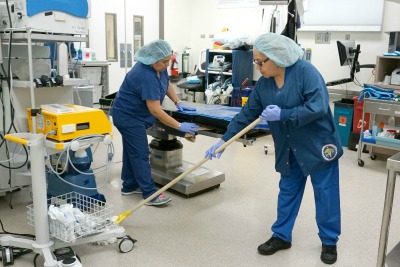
(260, 64)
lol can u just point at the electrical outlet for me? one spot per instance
(322, 38)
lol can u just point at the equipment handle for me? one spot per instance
(16, 139)
(198, 164)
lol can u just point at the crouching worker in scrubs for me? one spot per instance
(136, 106)
(291, 95)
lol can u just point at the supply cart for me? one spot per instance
(375, 107)
(53, 236)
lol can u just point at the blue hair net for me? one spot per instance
(153, 52)
(279, 48)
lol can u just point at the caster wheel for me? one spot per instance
(360, 162)
(266, 149)
(126, 244)
(7, 256)
(373, 157)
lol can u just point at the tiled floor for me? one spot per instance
(223, 227)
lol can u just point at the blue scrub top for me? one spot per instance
(140, 84)
(306, 127)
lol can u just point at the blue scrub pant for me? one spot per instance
(325, 183)
(136, 169)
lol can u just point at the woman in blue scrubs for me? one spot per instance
(135, 108)
(291, 95)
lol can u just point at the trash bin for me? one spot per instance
(357, 117)
(343, 115)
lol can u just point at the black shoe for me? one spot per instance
(328, 254)
(273, 245)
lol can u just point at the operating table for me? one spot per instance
(166, 150)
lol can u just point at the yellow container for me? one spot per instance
(244, 100)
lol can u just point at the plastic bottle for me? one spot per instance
(79, 54)
(391, 121)
(62, 59)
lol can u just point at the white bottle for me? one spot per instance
(62, 59)
(391, 121)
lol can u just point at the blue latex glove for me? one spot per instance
(271, 113)
(183, 107)
(188, 127)
(210, 153)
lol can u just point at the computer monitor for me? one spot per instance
(347, 52)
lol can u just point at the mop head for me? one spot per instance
(110, 241)
(106, 242)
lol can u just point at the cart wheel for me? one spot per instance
(126, 244)
(373, 157)
(360, 162)
(266, 149)
(7, 256)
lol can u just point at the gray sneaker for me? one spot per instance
(162, 199)
(125, 192)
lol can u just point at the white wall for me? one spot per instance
(183, 28)
(184, 24)
(149, 9)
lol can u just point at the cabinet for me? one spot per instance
(97, 74)
(238, 65)
(385, 65)
(380, 111)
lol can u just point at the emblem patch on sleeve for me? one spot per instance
(329, 152)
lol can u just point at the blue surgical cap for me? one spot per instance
(279, 48)
(153, 52)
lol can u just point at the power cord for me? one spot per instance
(16, 252)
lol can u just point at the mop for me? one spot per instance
(118, 219)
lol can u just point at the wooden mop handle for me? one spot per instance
(238, 135)
(198, 164)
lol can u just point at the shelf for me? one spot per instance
(218, 72)
(67, 82)
(43, 37)
(388, 86)
(385, 65)
(241, 68)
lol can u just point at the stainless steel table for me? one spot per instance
(393, 258)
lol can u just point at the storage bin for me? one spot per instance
(236, 100)
(357, 116)
(343, 115)
(390, 142)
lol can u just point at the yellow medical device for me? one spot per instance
(69, 121)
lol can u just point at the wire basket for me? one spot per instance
(73, 215)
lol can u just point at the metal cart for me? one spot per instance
(44, 244)
(376, 107)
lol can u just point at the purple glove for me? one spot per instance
(183, 107)
(188, 127)
(271, 113)
(210, 153)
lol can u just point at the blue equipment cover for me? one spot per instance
(79, 8)
(217, 112)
